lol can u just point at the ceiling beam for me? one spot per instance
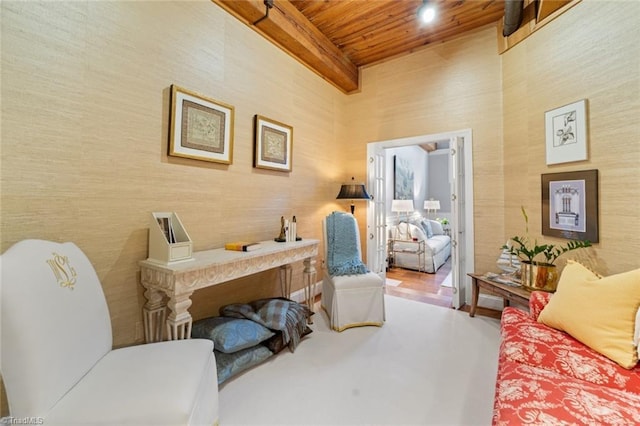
(288, 28)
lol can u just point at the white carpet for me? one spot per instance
(393, 283)
(427, 365)
(447, 281)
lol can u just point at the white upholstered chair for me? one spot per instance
(57, 362)
(349, 299)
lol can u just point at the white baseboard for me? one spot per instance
(490, 302)
(298, 295)
(485, 300)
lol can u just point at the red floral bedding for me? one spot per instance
(535, 344)
(547, 377)
(532, 395)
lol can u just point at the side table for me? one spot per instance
(408, 247)
(508, 293)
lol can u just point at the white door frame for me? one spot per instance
(462, 290)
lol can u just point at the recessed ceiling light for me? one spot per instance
(426, 12)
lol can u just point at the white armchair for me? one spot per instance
(354, 299)
(57, 362)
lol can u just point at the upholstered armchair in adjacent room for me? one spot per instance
(351, 295)
(57, 362)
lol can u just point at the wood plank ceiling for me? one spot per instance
(336, 37)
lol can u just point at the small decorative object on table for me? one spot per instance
(507, 261)
(446, 227)
(283, 233)
(538, 275)
(288, 231)
(169, 241)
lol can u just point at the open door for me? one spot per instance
(458, 220)
(376, 213)
(461, 181)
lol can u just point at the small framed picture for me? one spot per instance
(273, 144)
(201, 128)
(570, 205)
(566, 133)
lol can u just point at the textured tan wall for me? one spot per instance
(445, 87)
(591, 52)
(85, 107)
(85, 116)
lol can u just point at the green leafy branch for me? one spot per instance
(525, 251)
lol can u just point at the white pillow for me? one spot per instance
(417, 233)
(436, 227)
(402, 232)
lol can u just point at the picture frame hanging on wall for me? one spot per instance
(570, 205)
(273, 144)
(402, 179)
(566, 133)
(201, 128)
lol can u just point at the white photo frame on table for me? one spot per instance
(201, 127)
(566, 133)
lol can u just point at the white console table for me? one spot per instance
(178, 280)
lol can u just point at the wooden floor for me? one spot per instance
(421, 286)
(427, 288)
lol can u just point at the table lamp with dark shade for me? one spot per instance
(353, 191)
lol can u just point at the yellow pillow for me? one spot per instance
(575, 272)
(600, 313)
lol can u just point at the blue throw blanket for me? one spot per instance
(276, 314)
(342, 249)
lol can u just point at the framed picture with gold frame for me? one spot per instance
(201, 127)
(273, 144)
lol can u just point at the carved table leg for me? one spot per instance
(309, 274)
(154, 314)
(285, 280)
(180, 320)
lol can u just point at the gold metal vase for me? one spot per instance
(539, 276)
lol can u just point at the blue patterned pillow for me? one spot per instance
(230, 334)
(426, 225)
(228, 365)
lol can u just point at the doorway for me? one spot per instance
(461, 181)
(434, 289)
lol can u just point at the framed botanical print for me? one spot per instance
(201, 127)
(273, 144)
(566, 133)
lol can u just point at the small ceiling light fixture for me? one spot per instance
(427, 11)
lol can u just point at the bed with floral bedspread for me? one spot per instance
(545, 376)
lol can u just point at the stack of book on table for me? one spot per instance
(507, 279)
(242, 246)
